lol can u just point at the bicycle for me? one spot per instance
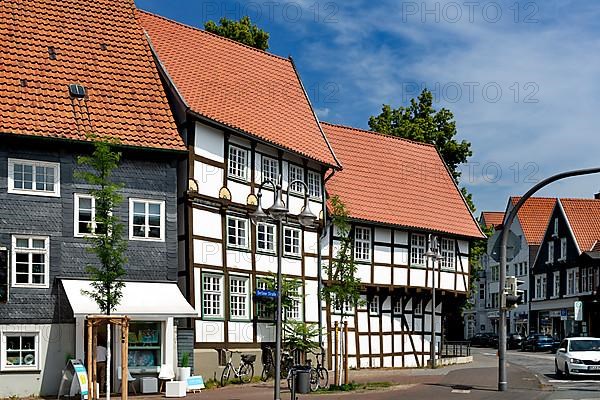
(319, 376)
(268, 364)
(244, 372)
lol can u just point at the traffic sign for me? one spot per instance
(272, 294)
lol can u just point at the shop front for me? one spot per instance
(152, 308)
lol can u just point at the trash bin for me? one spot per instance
(302, 381)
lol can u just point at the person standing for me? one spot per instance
(101, 365)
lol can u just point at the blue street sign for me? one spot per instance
(266, 293)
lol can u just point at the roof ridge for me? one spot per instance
(579, 199)
(535, 197)
(375, 133)
(214, 35)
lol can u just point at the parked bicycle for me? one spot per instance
(244, 372)
(319, 376)
(268, 364)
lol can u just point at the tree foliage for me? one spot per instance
(243, 31)
(422, 123)
(290, 287)
(478, 249)
(300, 336)
(108, 243)
(342, 288)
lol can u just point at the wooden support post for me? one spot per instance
(91, 385)
(97, 390)
(124, 359)
(346, 371)
(336, 352)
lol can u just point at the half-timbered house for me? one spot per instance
(398, 193)
(247, 120)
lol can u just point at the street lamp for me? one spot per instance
(280, 211)
(434, 254)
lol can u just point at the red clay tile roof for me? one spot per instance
(584, 218)
(125, 98)
(534, 216)
(241, 87)
(398, 182)
(492, 218)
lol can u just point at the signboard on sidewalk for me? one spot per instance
(578, 307)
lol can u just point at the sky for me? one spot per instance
(521, 77)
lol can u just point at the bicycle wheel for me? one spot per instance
(225, 375)
(314, 380)
(267, 372)
(323, 378)
(246, 373)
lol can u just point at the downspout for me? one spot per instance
(320, 264)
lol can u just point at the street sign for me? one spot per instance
(564, 313)
(272, 294)
(578, 307)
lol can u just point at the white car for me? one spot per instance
(578, 356)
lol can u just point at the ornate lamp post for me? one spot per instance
(434, 254)
(279, 211)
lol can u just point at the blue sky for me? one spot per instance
(522, 77)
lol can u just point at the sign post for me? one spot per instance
(578, 308)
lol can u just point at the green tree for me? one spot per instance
(342, 288)
(108, 243)
(243, 31)
(422, 123)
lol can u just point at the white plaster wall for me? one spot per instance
(463, 246)
(383, 235)
(386, 323)
(311, 301)
(383, 255)
(400, 237)
(374, 321)
(291, 266)
(363, 322)
(310, 266)
(56, 342)
(239, 259)
(210, 331)
(265, 332)
(207, 223)
(383, 275)
(417, 277)
(363, 272)
(240, 332)
(400, 276)
(310, 241)
(239, 191)
(209, 142)
(266, 263)
(209, 178)
(208, 253)
(400, 256)
(446, 280)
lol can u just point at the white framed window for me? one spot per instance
(556, 279)
(555, 226)
(344, 308)
(314, 184)
(238, 163)
(31, 255)
(572, 281)
(295, 311)
(212, 295)
(551, 251)
(418, 243)
(291, 241)
(448, 254)
(397, 310)
(362, 244)
(270, 169)
(374, 306)
(20, 351)
(85, 215)
(262, 311)
(418, 307)
(237, 232)
(239, 297)
(540, 287)
(146, 219)
(563, 249)
(266, 237)
(295, 173)
(38, 178)
(584, 277)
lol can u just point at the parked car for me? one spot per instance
(578, 356)
(494, 340)
(514, 341)
(538, 342)
(481, 339)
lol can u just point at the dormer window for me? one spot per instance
(555, 234)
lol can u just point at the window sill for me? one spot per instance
(33, 193)
(241, 249)
(17, 370)
(362, 261)
(266, 253)
(292, 256)
(27, 286)
(216, 319)
(235, 319)
(419, 266)
(238, 179)
(141, 239)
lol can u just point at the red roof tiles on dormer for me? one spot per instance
(399, 182)
(240, 87)
(583, 216)
(534, 216)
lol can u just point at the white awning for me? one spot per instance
(139, 299)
